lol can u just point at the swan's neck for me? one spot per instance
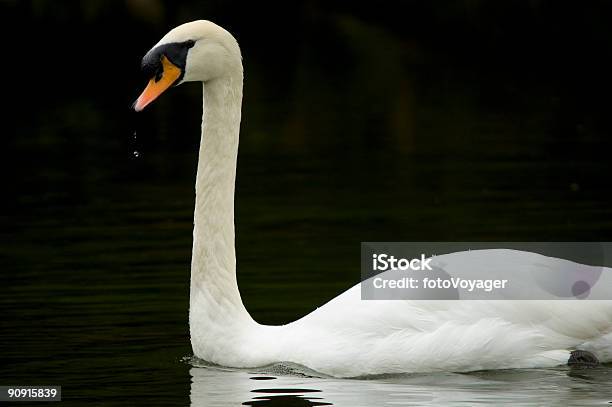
(215, 303)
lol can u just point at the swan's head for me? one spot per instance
(197, 51)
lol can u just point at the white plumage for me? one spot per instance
(347, 336)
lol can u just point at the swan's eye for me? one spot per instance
(159, 72)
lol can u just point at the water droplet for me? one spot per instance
(136, 154)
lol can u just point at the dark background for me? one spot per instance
(362, 121)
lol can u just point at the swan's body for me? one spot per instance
(347, 336)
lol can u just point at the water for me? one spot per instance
(134, 144)
(550, 387)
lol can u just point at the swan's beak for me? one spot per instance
(157, 85)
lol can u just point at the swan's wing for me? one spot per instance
(528, 275)
(496, 264)
(498, 274)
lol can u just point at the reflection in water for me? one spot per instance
(214, 386)
(285, 400)
(286, 397)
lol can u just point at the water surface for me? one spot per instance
(535, 387)
(96, 272)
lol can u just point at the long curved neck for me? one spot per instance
(215, 303)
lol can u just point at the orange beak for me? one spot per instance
(155, 87)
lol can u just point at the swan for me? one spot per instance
(346, 337)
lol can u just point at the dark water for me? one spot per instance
(96, 290)
(446, 121)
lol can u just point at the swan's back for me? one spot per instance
(351, 337)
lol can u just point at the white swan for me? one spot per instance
(347, 336)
